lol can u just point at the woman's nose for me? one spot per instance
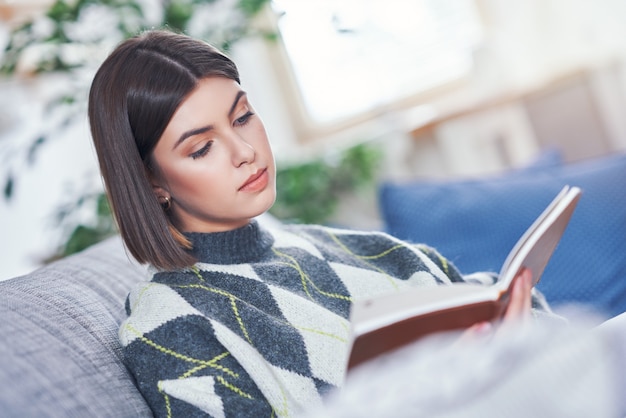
(242, 151)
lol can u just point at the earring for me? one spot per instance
(167, 203)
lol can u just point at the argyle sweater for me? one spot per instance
(259, 326)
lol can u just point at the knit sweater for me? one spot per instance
(259, 325)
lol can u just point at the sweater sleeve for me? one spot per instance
(179, 364)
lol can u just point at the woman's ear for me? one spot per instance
(163, 196)
(157, 188)
(160, 192)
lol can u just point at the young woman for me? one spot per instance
(238, 319)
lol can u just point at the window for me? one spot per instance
(351, 56)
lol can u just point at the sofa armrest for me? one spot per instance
(59, 352)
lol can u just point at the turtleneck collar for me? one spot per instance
(243, 245)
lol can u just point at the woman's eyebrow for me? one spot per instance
(239, 95)
(207, 128)
(192, 132)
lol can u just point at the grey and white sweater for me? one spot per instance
(259, 326)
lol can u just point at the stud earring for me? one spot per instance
(167, 203)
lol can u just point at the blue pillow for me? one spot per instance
(475, 223)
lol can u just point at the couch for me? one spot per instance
(59, 352)
(60, 355)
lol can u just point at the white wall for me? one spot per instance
(64, 166)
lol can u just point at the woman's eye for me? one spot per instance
(202, 151)
(244, 119)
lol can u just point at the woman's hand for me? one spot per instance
(520, 303)
(517, 313)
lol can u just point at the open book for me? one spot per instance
(383, 323)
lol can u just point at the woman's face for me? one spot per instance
(214, 160)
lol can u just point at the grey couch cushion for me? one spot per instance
(59, 350)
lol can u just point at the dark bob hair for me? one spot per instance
(133, 96)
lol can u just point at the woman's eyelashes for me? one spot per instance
(202, 151)
(243, 120)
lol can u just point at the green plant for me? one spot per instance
(85, 234)
(69, 23)
(309, 192)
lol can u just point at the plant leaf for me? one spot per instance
(8, 187)
(34, 147)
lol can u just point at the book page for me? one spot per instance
(381, 311)
(534, 249)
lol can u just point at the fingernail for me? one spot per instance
(483, 328)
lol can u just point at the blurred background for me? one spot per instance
(352, 92)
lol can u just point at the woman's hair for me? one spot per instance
(133, 96)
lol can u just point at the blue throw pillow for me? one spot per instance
(476, 222)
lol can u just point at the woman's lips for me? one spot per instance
(255, 182)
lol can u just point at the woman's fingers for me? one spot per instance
(476, 331)
(517, 313)
(520, 304)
